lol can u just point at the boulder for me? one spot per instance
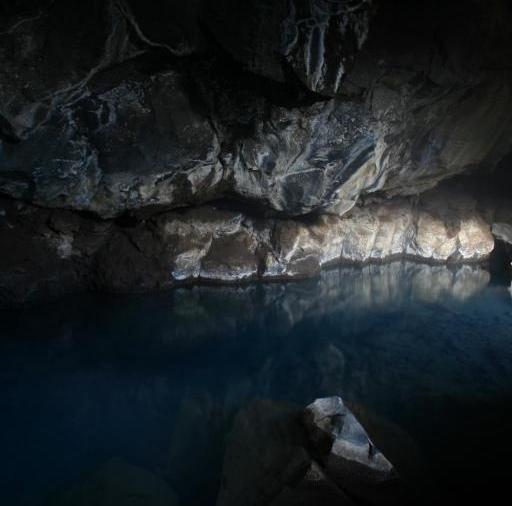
(278, 454)
(348, 455)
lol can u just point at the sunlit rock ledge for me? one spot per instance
(53, 252)
(221, 245)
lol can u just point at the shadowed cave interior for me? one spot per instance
(255, 252)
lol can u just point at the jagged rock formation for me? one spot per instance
(52, 250)
(132, 110)
(277, 455)
(347, 453)
(104, 128)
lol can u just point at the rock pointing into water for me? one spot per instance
(344, 448)
(281, 455)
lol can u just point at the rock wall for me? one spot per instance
(127, 105)
(123, 111)
(55, 251)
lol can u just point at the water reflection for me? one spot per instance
(421, 353)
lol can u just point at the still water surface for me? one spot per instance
(422, 354)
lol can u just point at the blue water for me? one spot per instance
(422, 354)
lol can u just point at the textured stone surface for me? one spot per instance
(350, 458)
(281, 455)
(218, 141)
(151, 111)
(316, 39)
(56, 251)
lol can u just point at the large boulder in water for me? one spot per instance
(278, 454)
(344, 448)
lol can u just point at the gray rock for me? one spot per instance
(331, 119)
(110, 128)
(281, 455)
(350, 458)
(63, 251)
(133, 141)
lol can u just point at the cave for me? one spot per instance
(255, 252)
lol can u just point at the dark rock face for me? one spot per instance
(316, 39)
(54, 251)
(49, 53)
(109, 111)
(128, 109)
(279, 455)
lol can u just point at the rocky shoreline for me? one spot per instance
(56, 252)
(131, 162)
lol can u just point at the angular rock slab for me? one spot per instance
(349, 456)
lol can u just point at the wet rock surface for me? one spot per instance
(279, 454)
(211, 243)
(345, 449)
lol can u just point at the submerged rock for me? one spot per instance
(264, 453)
(314, 489)
(280, 455)
(348, 455)
(117, 483)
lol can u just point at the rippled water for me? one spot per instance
(422, 354)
